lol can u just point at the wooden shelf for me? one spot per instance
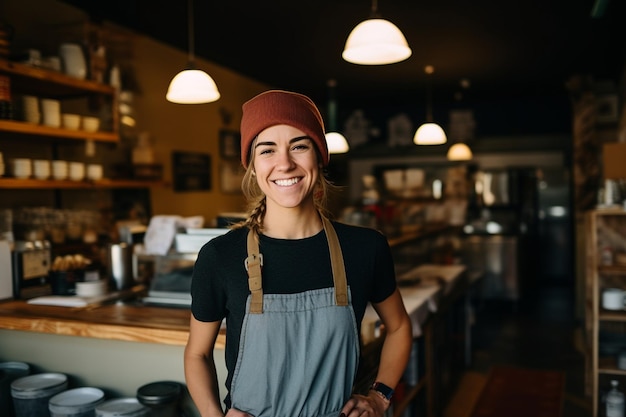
(599, 224)
(41, 82)
(34, 184)
(612, 315)
(40, 130)
(608, 365)
(612, 269)
(51, 82)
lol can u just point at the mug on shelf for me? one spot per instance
(613, 299)
(73, 59)
(94, 172)
(51, 110)
(59, 169)
(41, 169)
(76, 171)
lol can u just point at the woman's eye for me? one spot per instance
(265, 151)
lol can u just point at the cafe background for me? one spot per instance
(526, 147)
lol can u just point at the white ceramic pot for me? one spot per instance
(73, 59)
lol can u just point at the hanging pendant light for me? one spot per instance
(336, 142)
(461, 127)
(192, 86)
(459, 152)
(430, 133)
(376, 41)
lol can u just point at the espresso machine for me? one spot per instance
(31, 262)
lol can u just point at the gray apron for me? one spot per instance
(298, 353)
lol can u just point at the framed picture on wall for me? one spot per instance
(191, 171)
(231, 175)
(230, 144)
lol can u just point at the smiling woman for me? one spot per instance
(292, 284)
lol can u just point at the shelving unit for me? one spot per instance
(40, 130)
(34, 184)
(27, 79)
(603, 228)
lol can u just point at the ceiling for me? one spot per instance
(509, 48)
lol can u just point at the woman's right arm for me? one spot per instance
(200, 373)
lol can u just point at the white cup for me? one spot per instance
(76, 171)
(71, 121)
(51, 110)
(94, 172)
(21, 168)
(91, 124)
(30, 109)
(52, 62)
(613, 299)
(91, 288)
(41, 169)
(59, 170)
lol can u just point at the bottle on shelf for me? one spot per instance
(143, 153)
(6, 107)
(607, 256)
(614, 401)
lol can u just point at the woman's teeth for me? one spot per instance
(285, 183)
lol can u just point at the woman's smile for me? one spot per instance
(287, 182)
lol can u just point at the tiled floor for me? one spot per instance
(535, 333)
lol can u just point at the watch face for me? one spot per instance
(383, 389)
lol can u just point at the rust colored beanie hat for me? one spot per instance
(277, 107)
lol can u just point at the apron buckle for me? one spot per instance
(252, 258)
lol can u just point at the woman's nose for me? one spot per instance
(285, 160)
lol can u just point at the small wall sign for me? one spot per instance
(191, 171)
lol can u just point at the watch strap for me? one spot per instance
(384, 390)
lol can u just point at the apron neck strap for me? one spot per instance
(254, 262)
(336, 262)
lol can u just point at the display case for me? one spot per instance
(605, 233)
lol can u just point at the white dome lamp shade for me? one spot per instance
(376, 41)
(191, 85)
(429, 133)
(459, 152)
(335, 141)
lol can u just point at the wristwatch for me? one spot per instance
(382, 389)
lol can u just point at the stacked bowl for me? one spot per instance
(60, 170)
(30, 109)
(21, 168)
(41, 169)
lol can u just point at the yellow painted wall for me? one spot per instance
(189, 128)
(44, 24)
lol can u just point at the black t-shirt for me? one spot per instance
(219, 285)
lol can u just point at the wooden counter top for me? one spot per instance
(133, 323)
(140, 323)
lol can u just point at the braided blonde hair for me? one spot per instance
(256, 199)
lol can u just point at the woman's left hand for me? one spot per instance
(370, 405)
